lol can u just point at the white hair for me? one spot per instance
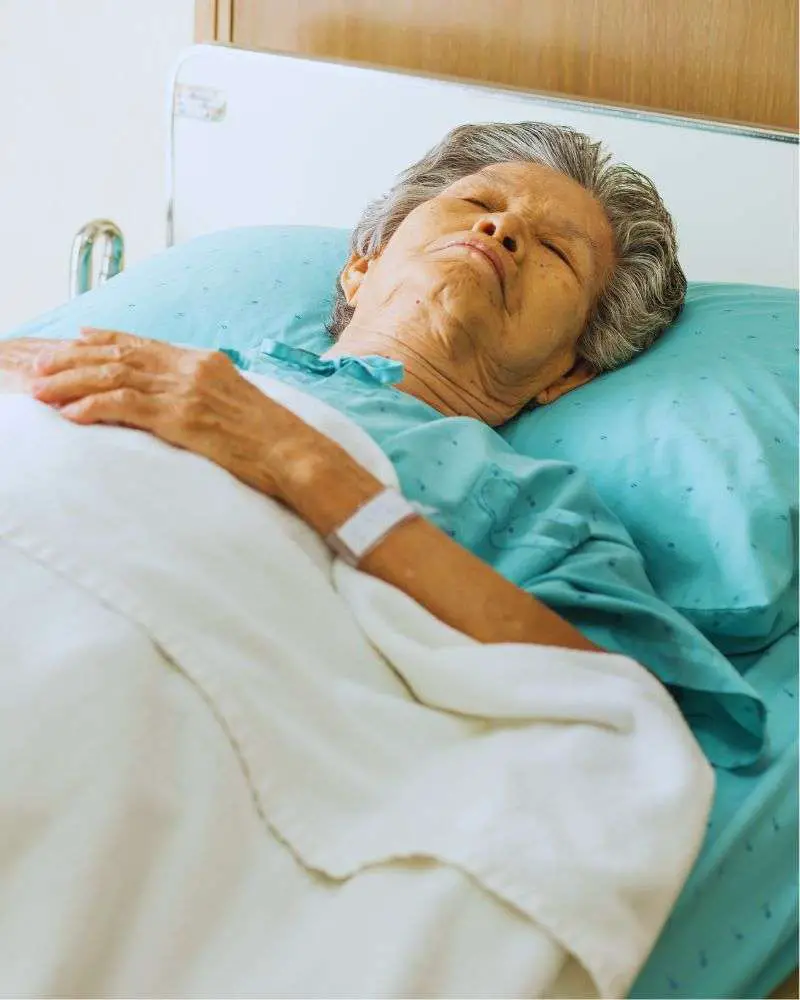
(646, 289)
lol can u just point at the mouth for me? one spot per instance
(488, 254)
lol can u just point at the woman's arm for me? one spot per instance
(198, 400)
(325, 486)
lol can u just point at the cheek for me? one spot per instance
(550, 317)
(554, 300)
(402, 256)
(420, 228)
(385, 277)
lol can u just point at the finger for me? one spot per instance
(95, 335)
(74, 383)
(129, 344)
(75, 356)
(126, 406)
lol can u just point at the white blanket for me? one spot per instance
(230, 767)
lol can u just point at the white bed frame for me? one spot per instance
(265, 138)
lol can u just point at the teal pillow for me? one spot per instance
(228, 289)
(694, 446)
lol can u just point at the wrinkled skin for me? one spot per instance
(473, 345)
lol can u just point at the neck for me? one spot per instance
(429, 379)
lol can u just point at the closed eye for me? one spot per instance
(480, 204)
(557, 251)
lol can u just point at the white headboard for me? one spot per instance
(264, 138)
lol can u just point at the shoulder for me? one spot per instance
(493, 499)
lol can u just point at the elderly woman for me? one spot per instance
(510, 265)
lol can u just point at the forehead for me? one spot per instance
(540, 187)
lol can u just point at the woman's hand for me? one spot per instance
(192, 399)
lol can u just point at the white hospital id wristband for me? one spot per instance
(370, 525)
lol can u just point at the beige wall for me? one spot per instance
(82, 133)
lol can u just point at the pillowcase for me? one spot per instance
(694, 446)
(227, 289)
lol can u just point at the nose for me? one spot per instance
(506, 228)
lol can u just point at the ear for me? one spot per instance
(578, 375)
(352, 276)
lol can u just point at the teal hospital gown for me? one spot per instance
(541, 526)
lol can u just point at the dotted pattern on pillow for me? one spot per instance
(693, 446)
(228, 289)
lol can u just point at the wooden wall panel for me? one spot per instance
(727, 59)
(213, 20)
(225, 20)
(205, 20)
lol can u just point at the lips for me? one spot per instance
(489, 253)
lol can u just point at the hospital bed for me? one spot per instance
(269, 139)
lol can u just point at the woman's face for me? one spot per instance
(492, 282)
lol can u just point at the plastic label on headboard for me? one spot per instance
(206, 103)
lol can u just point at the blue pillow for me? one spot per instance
(228, 289)
(694, 446)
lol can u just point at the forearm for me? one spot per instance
(325, 487)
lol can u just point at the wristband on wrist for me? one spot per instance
(369, 525)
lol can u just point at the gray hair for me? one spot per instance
(646, 289)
